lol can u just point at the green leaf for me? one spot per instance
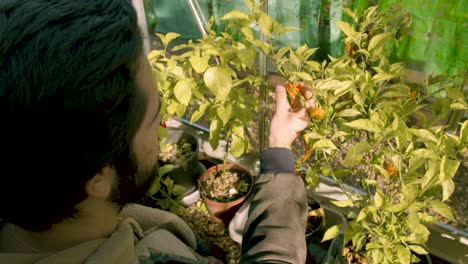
(312, 178)
(224, 113)
(215, 130)
(235, 14)
(396, 208)
(331, 232)
(363, 124)
(156, 184)
(183, 90)
(324, 144)
(199, 64)
(377, 42)
(373, 245)
(455, 94)
(344, 203)
(178, 190)
(347, 29)
(448, 168)
(361, 216)
(404, 254)
(199, 112)
(447, 188)
(442, 209)
(219, 81)
(348, 113)
(356, 152)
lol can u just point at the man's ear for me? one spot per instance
(100, 186)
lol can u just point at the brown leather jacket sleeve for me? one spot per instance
(275, 228)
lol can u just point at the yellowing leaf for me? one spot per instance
(464, 133)
(378, 41)
(248, 33)
(235, 14)
(344, 203)
(397, 207)
(424, 134)
(363, 124)
(303, 76)
(265, 22)
(183, 91)
(447, 189)
(199, 64)
(404, 254)
(347, 29)
(237, 146)
(219, 81)
(418, 249)
(199, 112)
(224, 113)
(331, 233)
(215, 131)
(324, 144)
(379, 199)
(442, 209)
(166, 39)
(448, 168)
(349, 113)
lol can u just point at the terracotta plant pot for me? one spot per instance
(223, 212)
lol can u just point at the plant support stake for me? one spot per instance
(263, 71)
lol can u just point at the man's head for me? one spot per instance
(77, 105)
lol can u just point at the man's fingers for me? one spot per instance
(282, 104)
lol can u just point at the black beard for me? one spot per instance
(133, 181)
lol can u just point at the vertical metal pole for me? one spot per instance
(199, 19)
(263, 90)
(198, 15)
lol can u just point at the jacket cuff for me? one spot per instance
(277, 160)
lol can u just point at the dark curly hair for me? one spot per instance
(69, 103)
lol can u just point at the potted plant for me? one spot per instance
(362, 128)
(224, 187)
(179, 148)
(362, 131)
(214, 77)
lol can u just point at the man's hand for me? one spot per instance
(288, 120)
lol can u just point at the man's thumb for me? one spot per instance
(282, 103)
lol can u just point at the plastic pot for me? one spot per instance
(330, 251)
(187, 172)
(223, 212)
